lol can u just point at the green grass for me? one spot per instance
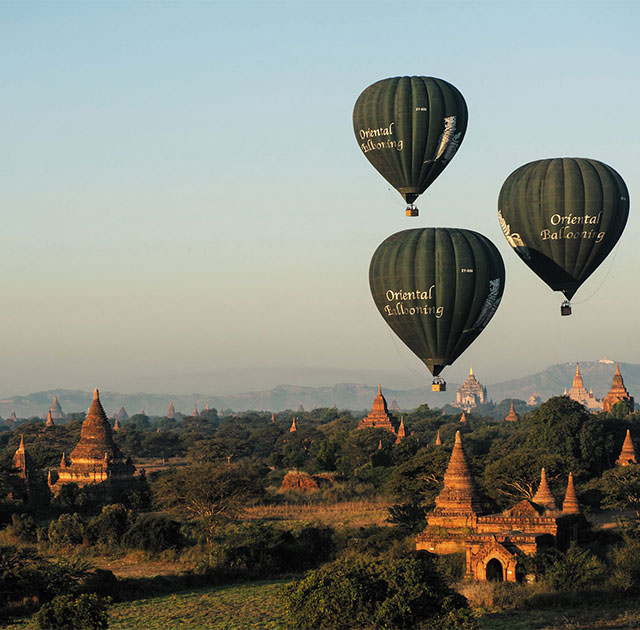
(252, 606)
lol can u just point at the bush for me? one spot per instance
(577, 569)
(67, 612)
(109, 526)
(153, 533)
(67, 530)
(357, 591)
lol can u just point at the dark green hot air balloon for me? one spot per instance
(437, 288)
(409, 128)
(563, 216)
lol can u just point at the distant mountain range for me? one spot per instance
(550, 382)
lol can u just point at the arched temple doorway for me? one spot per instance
(494, 571)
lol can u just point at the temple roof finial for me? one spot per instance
(96, 394)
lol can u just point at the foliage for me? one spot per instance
(152, 532)
(109, 526)
(576, 570)
(357, 591)
(620, 488)
(68, 612)
(257, 549)
(67, 530)
(212, 493)
(409, 516)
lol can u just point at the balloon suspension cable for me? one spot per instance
(606, 275)
(409, 366)
(412, 210)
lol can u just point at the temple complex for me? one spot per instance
(618, 393)
(512, 416)
(579, 393)
(96, 458)
(471, 393)
(628, 453)
(379, 416)
(493, 542)
(171, 411)
(56, 410)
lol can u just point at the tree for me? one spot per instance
(357, 591)
(70, 612)
(620, 487)
(212, 493)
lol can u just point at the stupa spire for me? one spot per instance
(49, 422)
(438, 440)
(570, 504)
(543, 496)
(293, 428)
(458, 494)
(401, 430)
(628, 453)
(512, 416)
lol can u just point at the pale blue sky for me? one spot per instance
(185, 207)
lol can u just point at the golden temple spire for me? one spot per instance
(543, 496)
(438, 440)
(628, 452)
(570, 504)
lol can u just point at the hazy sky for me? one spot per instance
(185, 207)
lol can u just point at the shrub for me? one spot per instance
(109, 526)
(67, 530)
(625, 566)
(24, 528)
(152, 532)
(68, 612)
(357, 591)
(575, 570)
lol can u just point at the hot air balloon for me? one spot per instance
(563, 216)
(437, 288)
(409, 128)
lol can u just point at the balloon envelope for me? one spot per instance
(563, 216)
(437, 288)
(409, 128)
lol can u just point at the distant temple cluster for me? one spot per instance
(617, 394)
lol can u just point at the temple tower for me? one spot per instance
(570, 503)
(56, 409)
(401, 431)
(293, 427)
(579, 393)
(471, 393)
(618, 393)
(438, 440)
(49, 423)
(96, 458)
(512, 416)
(628, 453)
(458, 496)
(21, 464)
(171, 411)
(379, 416)
(543, 496)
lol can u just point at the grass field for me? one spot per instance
(257, 606)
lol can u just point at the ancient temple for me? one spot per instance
(471, 393)
(122, 414)
(293, 428)
(438, 440)
(534, 400)
(494, 542)
(618, 393)
(21, 464)
(96, 458)
(171, 411)
(512, 416)
(12, 416)
(627, 455)
(379, 416)
(579, 393)
(402, 433)
(49, 424)
(56, 410)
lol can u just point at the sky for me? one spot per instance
(185, 206)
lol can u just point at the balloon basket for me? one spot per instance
(565, 309)
(411, 211)
(438, 385)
